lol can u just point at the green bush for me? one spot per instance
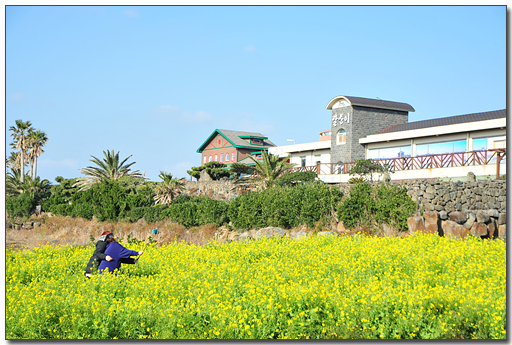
(356, 209)
(383, 203)
(61, 194)
(110, 200)
(292, 178)
(285, 207)
(200, 210)
(19, 206)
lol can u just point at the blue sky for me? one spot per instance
(154, 82)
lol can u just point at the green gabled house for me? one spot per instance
(227, 146)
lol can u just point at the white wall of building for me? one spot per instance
(311, 152)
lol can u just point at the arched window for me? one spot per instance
(227, 157)
(222, 157)
(232, 156)
(210, 159)
(204, 159)
(341, 137)
(216, 159)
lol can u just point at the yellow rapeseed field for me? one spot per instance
(421, 286)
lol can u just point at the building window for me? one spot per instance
(303, 161)
(220, 142)
(204, 159)
(222, 157)
(390, 152)
(227, 157)
(210, 159)
(441, 148)
(480, 144)
(256, 141)
(341, 137)
(232, 156)
(216, 158)
(318, 159)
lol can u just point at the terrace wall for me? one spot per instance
(449, 196)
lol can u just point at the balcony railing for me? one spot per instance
(446, 160)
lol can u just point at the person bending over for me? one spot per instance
(99, 254)
(118, 253)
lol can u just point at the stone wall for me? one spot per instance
(219, 190)
(481, 223)
(450, 196)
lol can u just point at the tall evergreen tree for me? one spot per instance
(19, 134)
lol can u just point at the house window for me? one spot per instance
(222, 157)
(227, 157)
(390, 152)
(210, 159)
(441, 148)
(303, 161)
(318, 159)
(216, 158)
(341, 137)
(256, 141)
(220, 142)
(204, 159)
(479, 144)
(233, 156)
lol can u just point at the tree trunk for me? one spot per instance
(22, 168)
(35, 169)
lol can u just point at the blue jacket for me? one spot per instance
(117, 252)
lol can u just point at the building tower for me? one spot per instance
(356, 117)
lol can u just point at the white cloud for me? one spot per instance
(250, 48)
(18, 96)
(131, 14)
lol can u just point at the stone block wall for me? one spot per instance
(450, 196)
(219, 190)
(482, 223)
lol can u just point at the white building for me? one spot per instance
(447, 147)
(307, 154)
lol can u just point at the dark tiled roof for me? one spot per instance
(452, 120)
(378, 103)
(234, 137)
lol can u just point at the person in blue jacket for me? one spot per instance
(118, 253)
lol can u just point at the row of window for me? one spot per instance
(427, 149)
(303, 160)
(223, 158)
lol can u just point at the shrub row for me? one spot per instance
(287, 205)
(383, 203)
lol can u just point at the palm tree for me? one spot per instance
(19, 134)
(37, 139)
(13, 186)
(268, 169)
(110, 168)
(13, 161)
(35, 187)
(168, 189)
